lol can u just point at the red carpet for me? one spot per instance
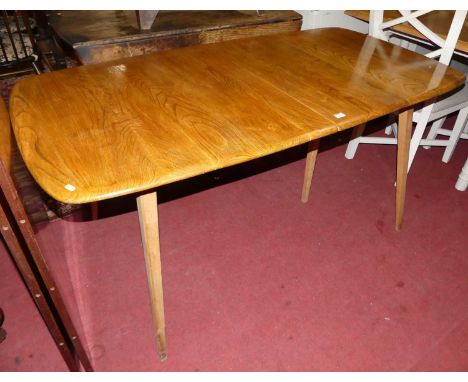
(257, 281)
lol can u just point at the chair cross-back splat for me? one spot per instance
(435, 112)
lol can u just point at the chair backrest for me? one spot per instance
(17, 42)
(445, 47)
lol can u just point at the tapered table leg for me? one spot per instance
(148, 215)
(312, 150)
(405, 120)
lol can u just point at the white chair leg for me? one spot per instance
(394, 128)
(354, 142)
(462, 182)
(436, 125)
(391, 127)
(455, 136)
(418, 132)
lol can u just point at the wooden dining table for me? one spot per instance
(131, 125)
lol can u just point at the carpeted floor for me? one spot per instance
(257, 281)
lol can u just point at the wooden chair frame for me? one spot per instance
(36, 291)
(42, 275)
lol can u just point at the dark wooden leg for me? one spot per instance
(312, 150)
(148, 215)
(405, 120)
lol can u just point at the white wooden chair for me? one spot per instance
(435, 112)
(462, 182)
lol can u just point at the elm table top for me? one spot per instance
(99, 131)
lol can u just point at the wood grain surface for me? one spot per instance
(99, 131)
(79, 28)
(99, 36)
(33, 267)
(149, 227)
(438, 21)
